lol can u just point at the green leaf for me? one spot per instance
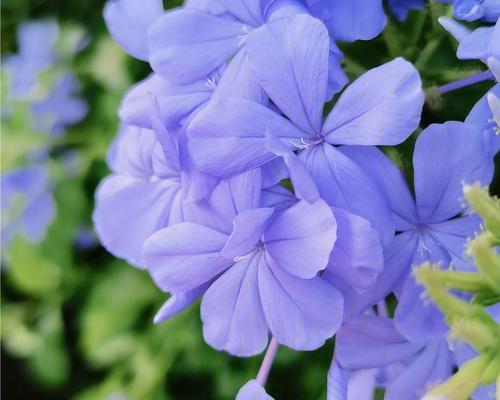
(30, 271)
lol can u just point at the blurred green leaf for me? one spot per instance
(114, 305)
(30, 271)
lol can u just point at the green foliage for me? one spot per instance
(468, 320)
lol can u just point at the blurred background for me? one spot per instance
(76, 322)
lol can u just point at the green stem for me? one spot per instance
(464, 382)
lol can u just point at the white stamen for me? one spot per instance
(243, 37)
(211, 83)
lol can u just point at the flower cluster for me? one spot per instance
(41, 98)
(473, 319)
(231, 183)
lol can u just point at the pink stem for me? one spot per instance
(267, 362)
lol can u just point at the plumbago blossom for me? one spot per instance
(433, 227)
(481, 44)
(235, 108)
(48, 109)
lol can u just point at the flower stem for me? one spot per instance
(461, 83)
(267, 362)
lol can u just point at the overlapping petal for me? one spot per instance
(343, 184)
(352, 20)
(184, 256)
(381, 107)
(301, 238)
(445, 157)
(231, 310)
(129, 210)
(290, 59)
(398, 257)
(128, 21)
(357, 256)
(250, 12)
(236, 128)
(389, 179)
(300, 313)
(176, 102)
(179, 302)
(186, 45)
(249, 227)
(431, 366)
(453, 234)
(480, 44)
(371, 342)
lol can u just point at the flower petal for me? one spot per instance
(303, 185)
(417, 319)
(371, 342)
(389, 179)
(337, 380)
(343, 184)
(128, 22)
(398, 256)
(482, 117)
(184, 256)
(355, 19)
(290, 59)
(453, 235)
(454, 28)
(229, 198)
(231, 311)
(238, 80)
(129, 210)
(431, 366)
(445, 157)
(400, 8)
(301, 313)
(249, 227)
(480, 44)
(253, 391)
(186, 45)
(237, 128)
(176, 102)
(347, 385)
(179, 302)
(357, 256)
(250, 12)
(381, 107)
(301, 238)
(38, 214)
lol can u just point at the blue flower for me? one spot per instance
(60, 108)
(36, 41)
(189, 44)
(432, 227)
(382, 107)
(480, 44)
(143, 195)
(400, 8)
(128, 22)
(373, 344)
(260, 263)
(27, 203)
(472, 10)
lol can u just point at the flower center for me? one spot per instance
(258, 247)
(305, 143)
(243, 37)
